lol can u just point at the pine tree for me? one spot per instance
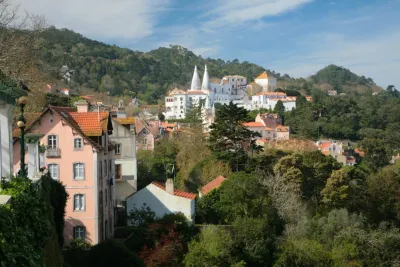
(229, 139)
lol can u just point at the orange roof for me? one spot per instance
(272, 93)
(325, 145)
(178, 193)
(262, 140)
(263, 75)
(253, 124)
(214, 184)
(268, 129)
(128, 120)
(89, 122)
(281, 128)
(166, 124)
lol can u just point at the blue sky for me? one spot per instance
(297, 37)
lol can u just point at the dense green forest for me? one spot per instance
(108, 68)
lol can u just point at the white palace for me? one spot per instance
(230, 88)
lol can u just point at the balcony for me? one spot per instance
(53, 152)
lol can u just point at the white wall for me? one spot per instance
(161, 202)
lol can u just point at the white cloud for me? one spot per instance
(377, 57)
(236, 12)
(101, 19)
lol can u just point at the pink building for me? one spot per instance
(269, 127)
(79, 155)
(148, 132)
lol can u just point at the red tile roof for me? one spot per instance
(89, 122)
(281, 128)
(178, 193)
(325, 145)
(253, 124)
(216, 183)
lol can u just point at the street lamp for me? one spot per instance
(22, 101)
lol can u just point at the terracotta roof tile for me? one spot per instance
(253, 124)
(178, 193)
(281, 128)
(325, 145)
(216, 183)
(89, 122)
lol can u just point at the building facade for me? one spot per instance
(267, 82)
(124, 141)
(269, 127)
(79, 154)
(206, 93)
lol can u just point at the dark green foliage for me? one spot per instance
(29, 224)
(229, 139)
(9, 89)
(57, 100)
(123, 71)
(207, 211)
(58, 200)
(111, 253)
(339, 76)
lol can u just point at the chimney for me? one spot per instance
(82, 106)
(169, 186)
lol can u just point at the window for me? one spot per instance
(100, 168)
(79, 202)
(79, 171)
(181, 98)
(110, 167)
(144, 141)
(52, 141)
(78, 143)
(105, 167)
(79, 232)
(110, 195)
(105, 197)
(118, 171)
(118, 149)
(53, 169)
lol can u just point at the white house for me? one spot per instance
(163, 199)
(268, 100)
(268, 82)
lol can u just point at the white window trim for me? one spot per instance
(78, 148)
(58, 171)
(48, 143)
(83, 202)
(73, 172)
